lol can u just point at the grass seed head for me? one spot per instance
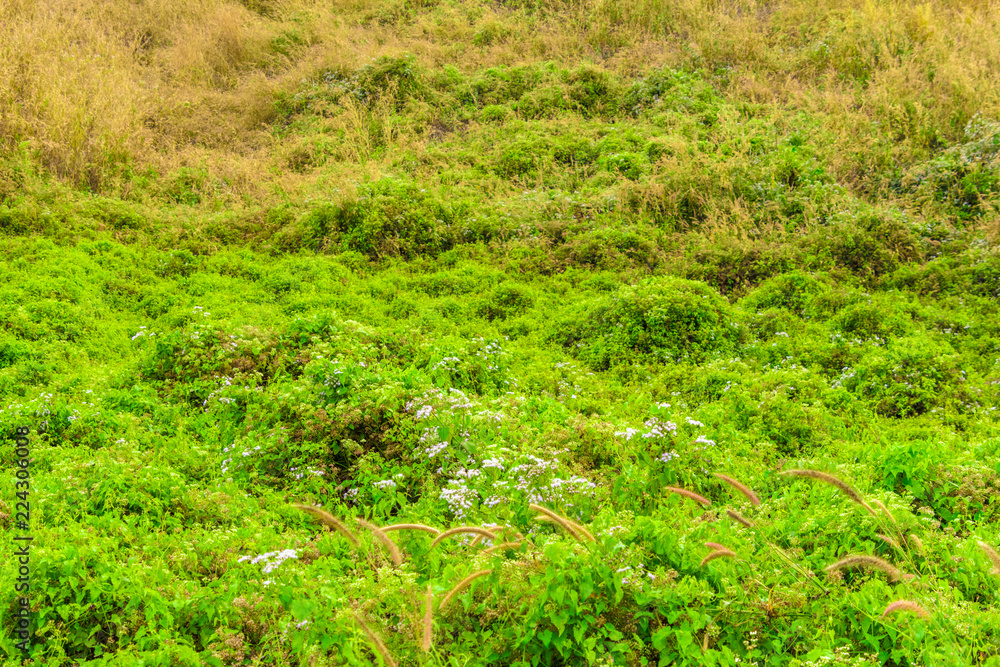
(502, 546)
(425, 643)
(844, 487)
(412, 526)
(690, 495)
(891, 542)
(885, 510)
(866, 561)
(390, 546)
(376, 641)
(571, 527)
(463, 529)
(992, 555)
(906, 605)
(742, 488)
(460, 586)
(330, 521)
(739, 518)
(718, 553)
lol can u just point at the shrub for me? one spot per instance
(877, 318)
(870, 245)
(506, 301)
(656, 320)
(910, 377)
(792, 291)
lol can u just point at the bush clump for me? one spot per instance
(659, 319)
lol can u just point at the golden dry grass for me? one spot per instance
(95, 89)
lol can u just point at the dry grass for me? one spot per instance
(95, 88)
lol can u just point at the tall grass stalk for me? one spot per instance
(571, 527)
(691, 495)
(742, 488)
(330, 521)
(462, 530)
(376, 641)
(906, 605)
(992, 555)
(425, 642)
(844, 487)
(866, 561)
(390, 546)
(412, 526)
(460, 586)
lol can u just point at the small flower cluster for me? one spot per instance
(446, 364)
(271, 559)
(248, 451)
(308, 471)
(460, 498)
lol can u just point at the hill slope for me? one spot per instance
(601, 279)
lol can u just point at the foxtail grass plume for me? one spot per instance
(412, 526)
(463, 529)
(690, 495)
(425, 643)
(718, 553)
(871, 562)
(846, 488)
(906, 605)
(891, 542)
(915, 542)
(885, 510)
(502, 545)
(376, 641)
(330, 521)
(460, 586)
(741, 487)
(739, 518)
(992, 555)
(571, 527)
(390, 546)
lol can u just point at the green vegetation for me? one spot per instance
(684, 311)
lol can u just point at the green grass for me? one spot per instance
(563, 271)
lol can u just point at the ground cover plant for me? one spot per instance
(453, 332)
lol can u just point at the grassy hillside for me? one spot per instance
(687, 309)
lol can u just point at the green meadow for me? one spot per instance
(500, 333)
